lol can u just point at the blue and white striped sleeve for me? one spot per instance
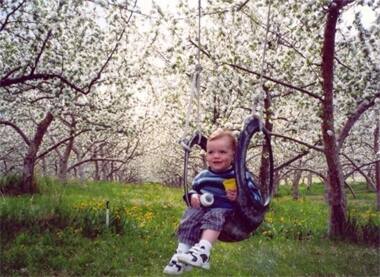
(253, 187)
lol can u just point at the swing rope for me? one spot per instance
(256, 99)
(194, 93)
(255, 106)
(198, 68)
(195, 89)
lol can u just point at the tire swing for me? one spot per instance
(248, 213)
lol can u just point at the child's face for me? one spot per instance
(220, 154)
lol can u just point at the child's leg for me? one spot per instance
(189, 230)
(210, 235)
(183, 247)
(212, 225)
(208, 238)
(175, 267)
(188, 234)
(199, 254)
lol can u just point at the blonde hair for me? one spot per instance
(219, 133)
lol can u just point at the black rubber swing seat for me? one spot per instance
(248, 213)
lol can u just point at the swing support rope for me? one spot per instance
(256, 98)
(195, 88)
(194, 93)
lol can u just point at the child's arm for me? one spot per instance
(195, 201)
(231, 194)
(194, 198)
(230, 187)
(194, 195)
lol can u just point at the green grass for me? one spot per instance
(62, 232)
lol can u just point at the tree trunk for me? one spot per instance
(309, 181)
(111, 175)
(80, 168)
(79, 171)
(5, 166)
(64, 159)
(104, 166)
(96, 163)
(44, 167)
(55, 168)
(276, 182)
(377, 156)
(28, 182)
(335, 180)
(296, 183)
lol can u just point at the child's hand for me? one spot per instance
(195, 201)
(231, 194)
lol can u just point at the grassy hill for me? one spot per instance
(62, 232)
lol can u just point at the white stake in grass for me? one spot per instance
(107, 213)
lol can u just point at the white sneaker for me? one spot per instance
(196, 256)
(175, 267)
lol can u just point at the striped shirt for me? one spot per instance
(217, 183)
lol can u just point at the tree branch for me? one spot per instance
(312, 171)
(282, 83)
(11, 72)
(353, 118)
(37, 59)
(95, 160)
(358, 168)
(319, 149)
(17, 129)
(6, 21)
(98, 75)
(242, 5)
(5, 82)
(60, 143)
(299, 156)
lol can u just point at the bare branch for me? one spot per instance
(345, 66)
(319, 174)
(6, 21)
(242, 5)
(299, 156)
(201, 49)
(282, 83)
(5, 82)
(95, 160)
(17, 129)
(37, 59)
(11, 72)
(319, 149)
(4, 155)
(353, 118)
(60, 143)
(358, 168)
